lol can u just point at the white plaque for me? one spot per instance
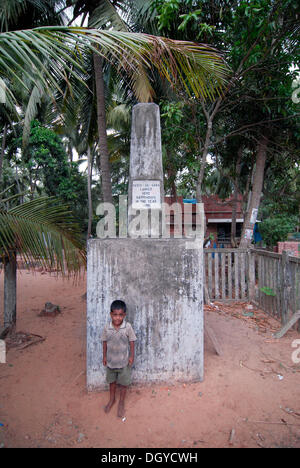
(146, 194)
(253, 216)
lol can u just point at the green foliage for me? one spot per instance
(172, 112)
(46, 167)
(47, 157)
(267, 291)
(259, 36)
(44, 230)
(166, 10)
(276, 229)
(180, 146)
(259, 40)
(189, 14)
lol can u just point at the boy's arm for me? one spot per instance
(131, 355)
(104, 353)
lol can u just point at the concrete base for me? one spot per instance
(161, 282)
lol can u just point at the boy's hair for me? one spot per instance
(118, 305)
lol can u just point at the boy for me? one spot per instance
(118, 361)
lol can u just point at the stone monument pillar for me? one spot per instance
(146, 188)
(160, 279)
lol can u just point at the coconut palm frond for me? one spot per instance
(141, 86)
(10, 10)
(105, 15)
(4, 191)
(118, 116)
(12, 197)
(15, 12)
(45, 231)
(31, 110)
(54, 52)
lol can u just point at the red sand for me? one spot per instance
(44, 402)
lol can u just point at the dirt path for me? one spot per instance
(252, 389)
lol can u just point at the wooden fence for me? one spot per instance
(277, 283)
(270, 280)
(229, 274)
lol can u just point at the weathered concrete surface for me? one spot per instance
(145, 146)
(146, 163)
(161, 283)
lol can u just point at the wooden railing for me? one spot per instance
(277, 283)
(270, 280)
(228, 275)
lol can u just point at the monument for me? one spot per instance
(146, 188)
(160, 278)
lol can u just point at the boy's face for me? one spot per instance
(117, 317)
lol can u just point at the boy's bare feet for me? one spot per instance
(107, 408)
(121, 409)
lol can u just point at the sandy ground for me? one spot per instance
(250, 393)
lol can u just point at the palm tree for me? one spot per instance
(37, 59)
(39, 230)
(102, 14)
(50, 53)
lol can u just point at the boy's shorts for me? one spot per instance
(120, 376)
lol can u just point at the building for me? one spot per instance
(218, 214)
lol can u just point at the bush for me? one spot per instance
(276, 229)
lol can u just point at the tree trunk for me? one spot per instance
(255, 194)
(235, 198)
(171, 171)
(70, 151)
(209, 119)
(199, 190)
(101, 118)
(2, 151)
(233, 221)
(18, 186)
(10, 291)
(90, 193)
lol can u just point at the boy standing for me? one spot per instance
(117, 336)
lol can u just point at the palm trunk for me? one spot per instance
(101, 118)
(10, 291)
(2, 151)
(255, 194)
